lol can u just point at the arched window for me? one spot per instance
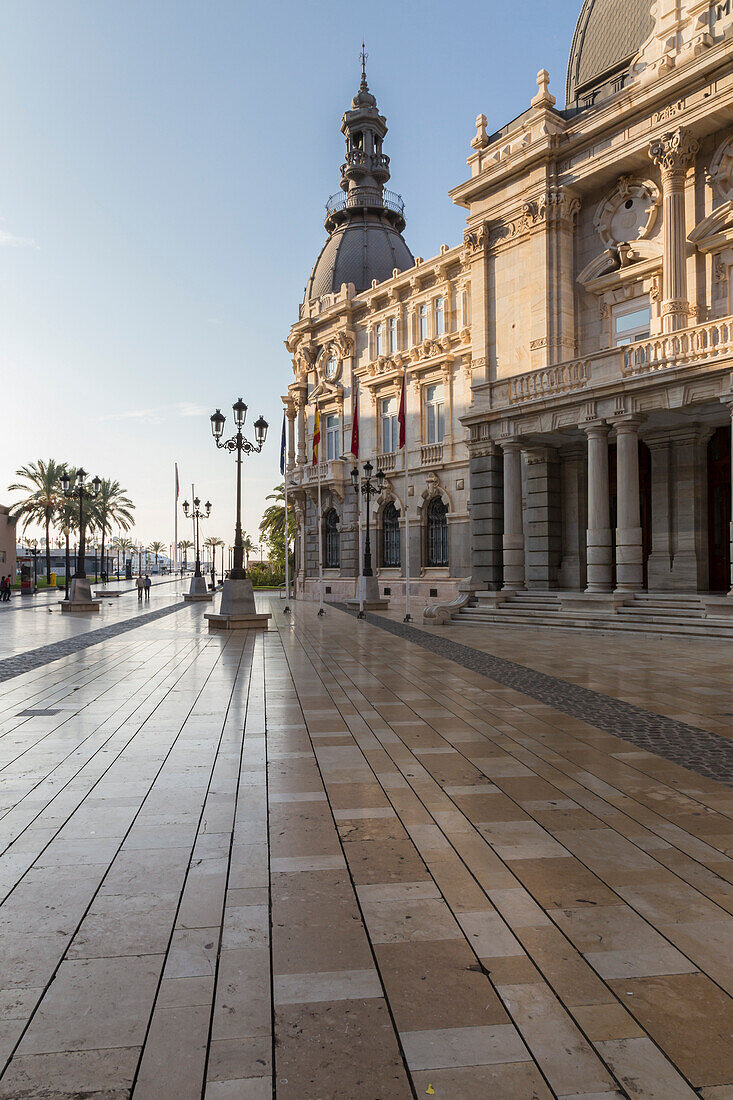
(331, 540)
(378, 342)
(437, 532)
(391, 558)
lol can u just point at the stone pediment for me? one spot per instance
(616, 260)
(716, 231)
(325, 390)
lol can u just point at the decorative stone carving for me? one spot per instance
(557, 205)
(720, 173)
(674, 151)
(475, 240)
(481, 140)
(629, 213)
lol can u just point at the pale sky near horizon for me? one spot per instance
(165, 165)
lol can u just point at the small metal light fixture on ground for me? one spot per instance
(237, 609)
(80, 593)
(369, 598)
(198, 590)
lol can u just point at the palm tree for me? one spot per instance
(212, 542)
(248, 546)
(121, 545)
(111, 506)
(155, 548)
(185, 545)
(272, 524)
(42, 483)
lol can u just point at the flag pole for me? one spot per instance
(403, 444)
(175, 522)
(321, 610)
(286, 609)
(360, 555)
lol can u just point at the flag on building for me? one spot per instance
(401, 413)
(316, 435)
(355, 423)
(282, 448)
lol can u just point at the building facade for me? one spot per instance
(568, 365)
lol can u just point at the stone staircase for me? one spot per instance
(684, 614)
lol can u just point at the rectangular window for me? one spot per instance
(390, 426)
(378, 349)
(630, 322)
(392, 335)
(333, 448)
(439, 317)
(422, 323)
(435, 413)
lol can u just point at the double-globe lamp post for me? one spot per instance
(80, 490)
(196, 515)
(242, 446)
(237, 609)
(368, 489)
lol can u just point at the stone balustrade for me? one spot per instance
(549, 381)
(387, 462)
(431, 454)
(707, 341)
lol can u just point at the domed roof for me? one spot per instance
(365, 247)
(608, 34)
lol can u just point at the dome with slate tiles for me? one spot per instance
(364, 220)
(608, 35)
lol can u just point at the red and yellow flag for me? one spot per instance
(316, 435)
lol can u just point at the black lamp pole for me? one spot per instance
(197, 514)
(80, 490)
(368, 490)
(242, 446)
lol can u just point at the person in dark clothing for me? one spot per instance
(148, 586)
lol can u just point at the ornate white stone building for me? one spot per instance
(568, 364)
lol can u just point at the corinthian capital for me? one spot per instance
(674, 151)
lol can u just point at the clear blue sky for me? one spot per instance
(164, 169)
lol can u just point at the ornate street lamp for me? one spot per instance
(368, 489)
(197, 513)
(237, 599)
(81, 594)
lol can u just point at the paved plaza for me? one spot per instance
(346, 859)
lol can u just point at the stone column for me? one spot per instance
(729, 403)
(513, 541)
(485, 494)
(291, 413)
(301, 430)
(599, 512)
(629, 555)
(673, 152)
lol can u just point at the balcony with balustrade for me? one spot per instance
(709, 344)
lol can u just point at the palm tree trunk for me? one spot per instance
(48, 549)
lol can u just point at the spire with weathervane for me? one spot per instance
(366, 168)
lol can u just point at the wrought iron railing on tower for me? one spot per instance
(365, 196)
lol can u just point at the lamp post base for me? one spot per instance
(237, 609)
(198, 590)
(80, 597)
(372, 600)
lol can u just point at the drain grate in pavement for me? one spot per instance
(35, 713)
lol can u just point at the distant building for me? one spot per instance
(7, 542)
(568, 363)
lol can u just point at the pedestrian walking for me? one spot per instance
(140, 589)
(6, 589)
(148, 586)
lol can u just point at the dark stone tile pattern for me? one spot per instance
(35, 658)
(699, 750)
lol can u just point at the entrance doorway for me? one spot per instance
(719, 501)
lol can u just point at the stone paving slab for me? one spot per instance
(324, 861)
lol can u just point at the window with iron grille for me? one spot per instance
(331, 540)
(391, 557)
(437, 533)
